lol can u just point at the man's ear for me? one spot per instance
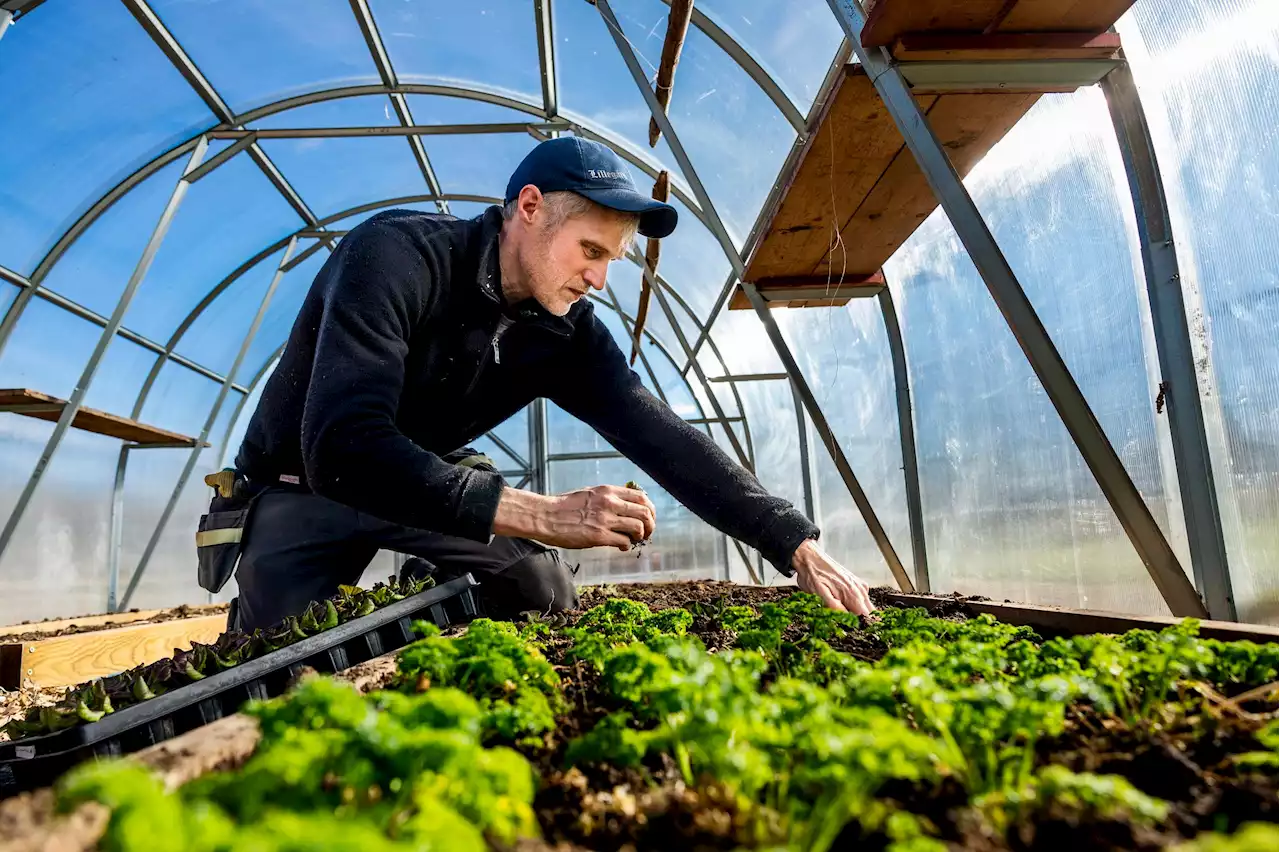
(528, 202)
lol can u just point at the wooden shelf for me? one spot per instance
(856, 177)
(30, 403)
(889, 20)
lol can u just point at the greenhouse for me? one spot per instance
(969, 309)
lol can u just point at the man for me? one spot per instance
(422, 332)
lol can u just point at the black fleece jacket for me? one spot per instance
(405, 350)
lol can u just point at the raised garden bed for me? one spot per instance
(718, 717)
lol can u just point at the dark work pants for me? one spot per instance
(299, 547)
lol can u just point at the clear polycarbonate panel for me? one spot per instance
(1214, 126)
(843, 354)
(438, 109)
(55, 565)
(95, 268)
(477, 164)
(515, 431)
(735, 136)
(224, 219)
(794, 42)
(626, 280)
(1011, 510)
(29, 361)
(740, 341)
(333, 175)
(682, 547)
(257, 51)
(8, 292)
(595, 85)
(73, 126)
(282, 311)
(362, 111)
(346, 223)
(180, 400)
(227, 444)
(693, 261)
(504, 462)
(215, 336)
(492, 43)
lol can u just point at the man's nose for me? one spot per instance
(595, 278)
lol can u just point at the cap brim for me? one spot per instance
(657, 219)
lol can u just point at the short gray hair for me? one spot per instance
(563, 206)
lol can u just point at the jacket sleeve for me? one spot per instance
(683, 460)
(375, 287)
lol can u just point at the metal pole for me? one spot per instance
(1205, 538)
(540, 474)
(806, 473)
(72, 407)
(906, 439)
(506, 448)
(194, 456)
(829, 439)
(6, 18)
(116, 540)
(1160, 560)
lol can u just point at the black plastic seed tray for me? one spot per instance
(35, 762)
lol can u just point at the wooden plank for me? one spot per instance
(968, 125)
(79, 657)
(855, 142)
(1061, 621)
(42, 406)
(946, 47)
(888, 20)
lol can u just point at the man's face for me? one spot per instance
(564, 263)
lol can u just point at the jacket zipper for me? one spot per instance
(503, 324)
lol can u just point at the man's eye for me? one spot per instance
(593, 253)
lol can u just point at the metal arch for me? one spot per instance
(906, 439)
(544, 20)
(762, 78)
(378, 50)
(108, 199)
(1209, 562)
(475, 93)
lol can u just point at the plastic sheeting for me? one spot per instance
(1207, 74)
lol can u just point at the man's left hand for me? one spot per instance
(819, 574)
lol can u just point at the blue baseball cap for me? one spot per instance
(594, 171)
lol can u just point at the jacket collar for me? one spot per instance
(489, 281)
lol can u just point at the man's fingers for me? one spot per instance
(636, 505)
(829, 599)
(633, 528)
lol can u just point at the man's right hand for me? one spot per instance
(601, 516)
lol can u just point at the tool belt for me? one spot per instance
(221, 530)
(220, 536)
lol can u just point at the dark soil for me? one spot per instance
(651, 808)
